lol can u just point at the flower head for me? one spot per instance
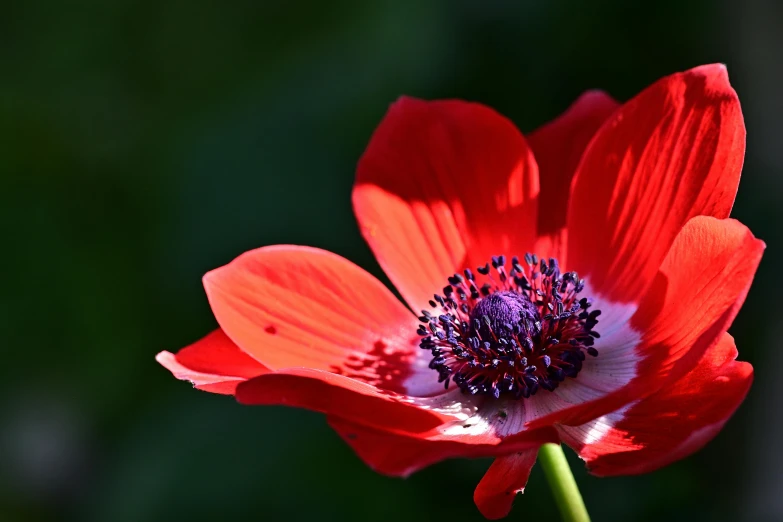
(573, 285)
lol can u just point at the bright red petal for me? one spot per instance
(400, 454)
(673, 152)
(448, 418)
(389, 454)
(293, 306)
(325, 392)
(212, 364)
(698, 291)
(443, 186)
(669, 425)
(505, 478)
(558, 146)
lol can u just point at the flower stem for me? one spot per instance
(561, 481)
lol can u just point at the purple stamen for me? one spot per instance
(511, 336)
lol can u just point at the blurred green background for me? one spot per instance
(143, 143)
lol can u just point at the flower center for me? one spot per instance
(510, 332)
(499, 312)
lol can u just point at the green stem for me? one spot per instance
(561, 481)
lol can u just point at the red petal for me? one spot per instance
(326, 392)
(443, 186)
(698, 291)
(290, 306)
(400, 454)
(448, 418)
(212, 364)
(505, 478)
(669, 425)
(387, 453)
(558, 147)
(673, 152)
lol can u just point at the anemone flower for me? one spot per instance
(575, 285)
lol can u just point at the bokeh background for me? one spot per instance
(144, 142)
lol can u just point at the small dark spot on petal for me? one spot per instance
(351, 436)
(379, 345)
(270, 329)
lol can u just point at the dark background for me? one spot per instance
(143, 143)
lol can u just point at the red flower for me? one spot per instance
(625, 357)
